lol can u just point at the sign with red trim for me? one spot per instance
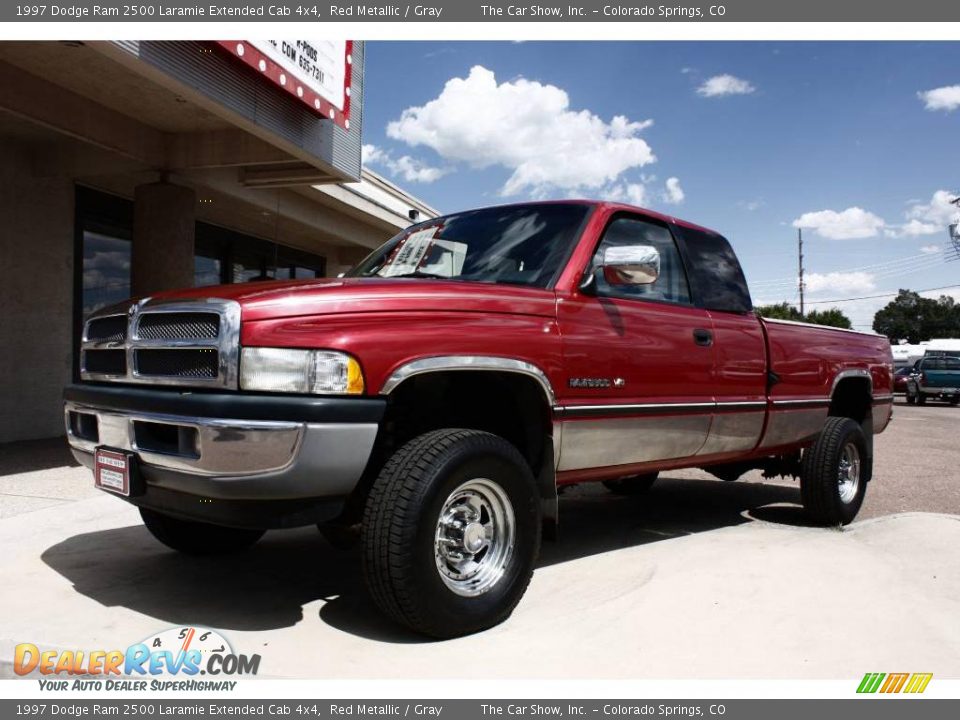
(316, 72)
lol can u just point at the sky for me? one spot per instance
(858, 144)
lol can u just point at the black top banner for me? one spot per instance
(894, 11)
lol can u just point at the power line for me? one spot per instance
(885, 266)
(883, 295)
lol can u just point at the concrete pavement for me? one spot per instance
(699, 579)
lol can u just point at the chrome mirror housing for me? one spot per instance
(631, 265)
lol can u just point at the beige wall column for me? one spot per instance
(164, 217)
(36, 295)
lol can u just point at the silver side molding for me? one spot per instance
(445, 363)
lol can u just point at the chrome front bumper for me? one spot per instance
(228, 459)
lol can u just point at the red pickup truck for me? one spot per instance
(437, 396)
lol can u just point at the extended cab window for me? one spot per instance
(671, 286)
(715, 271)
(514, 244)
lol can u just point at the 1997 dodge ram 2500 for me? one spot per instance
(438, 395)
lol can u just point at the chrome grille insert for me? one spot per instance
(184, 343)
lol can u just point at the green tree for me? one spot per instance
(914, 318)
(780, 311)
(833, 317)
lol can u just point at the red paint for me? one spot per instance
(386, 323)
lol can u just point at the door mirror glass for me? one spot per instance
(630, 265)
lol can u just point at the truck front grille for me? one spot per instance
(189, 363)
(105, 362)
(108, 329)
(178, 326)
(183, 343)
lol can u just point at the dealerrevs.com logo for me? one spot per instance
(170, 660)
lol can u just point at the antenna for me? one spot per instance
(800, 266)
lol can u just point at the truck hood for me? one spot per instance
(277, 299)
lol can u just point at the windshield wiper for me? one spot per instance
(421, 274)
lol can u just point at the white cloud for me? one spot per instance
(410, 169)
(939, 211)
(721, 85)
(751, 205)
(942, 98)
(917, 227)
(930, 249)
(371, 154)
(673, 193)
(528, 128)
(839, 282)
(413, 170)
(632, 193)
(848, 224)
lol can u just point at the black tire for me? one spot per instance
(820, 485)
(921, 398)
(634, 485)
(401, 525)
(196, 538)
(954, 401)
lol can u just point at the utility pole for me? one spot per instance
(800, 265)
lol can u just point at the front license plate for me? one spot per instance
(112, 470)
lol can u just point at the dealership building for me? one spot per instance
(127, 168)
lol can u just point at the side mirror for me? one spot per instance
(631, 265)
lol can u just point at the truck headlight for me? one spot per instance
(313, 372)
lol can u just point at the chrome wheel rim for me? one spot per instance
(848, 473)
(475, 536)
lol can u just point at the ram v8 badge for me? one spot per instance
(595, 383)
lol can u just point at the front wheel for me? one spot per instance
(834, 473)
(197, 538)
(451, 532)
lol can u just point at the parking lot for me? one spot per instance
(700, 578)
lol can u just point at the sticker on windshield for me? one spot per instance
(411, 252)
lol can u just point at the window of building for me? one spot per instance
(104, 232)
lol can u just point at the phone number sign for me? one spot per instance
(316, 72)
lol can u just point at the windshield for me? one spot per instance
(517, 244)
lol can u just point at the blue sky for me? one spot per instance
(851, 140)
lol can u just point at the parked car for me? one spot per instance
(936, 377)
(900, 379)
(439, 395)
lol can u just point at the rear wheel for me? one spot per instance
(834, 473)
(451, 532)
(196, 538)
(634, 485)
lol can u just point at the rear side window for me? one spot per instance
(951, 363)
(715, 272)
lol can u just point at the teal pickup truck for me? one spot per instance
(937, 378)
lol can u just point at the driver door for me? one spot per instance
(639, 361)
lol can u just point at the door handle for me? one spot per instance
(703, 337)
